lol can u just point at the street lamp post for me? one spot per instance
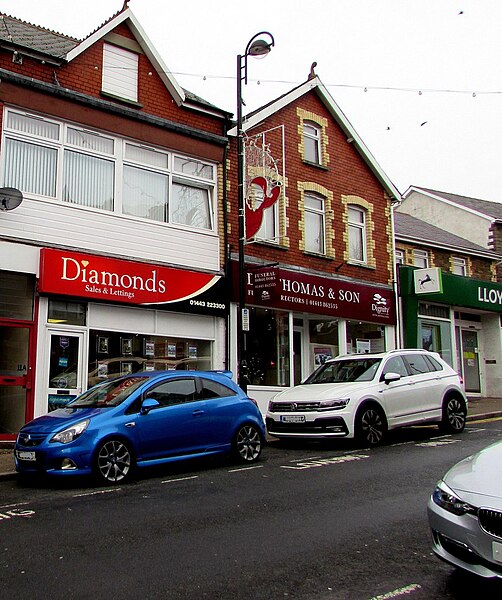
(256, 47)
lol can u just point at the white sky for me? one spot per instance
(410, 46)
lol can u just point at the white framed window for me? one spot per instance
(420, 259)
(399, 257)
(315, 223)
(63, 162)
(312, 142)
(459, 266)
(357, 233)
(120, 72)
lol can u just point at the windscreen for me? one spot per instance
(345, 371)
(111, 393)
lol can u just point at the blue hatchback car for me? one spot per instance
(141, 420)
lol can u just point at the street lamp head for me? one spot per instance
(258, 47)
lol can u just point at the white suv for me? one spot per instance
(365, 395)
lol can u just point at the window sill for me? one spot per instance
(355, 263)
(125, 101)
(274, 245)
(316, 165)
(316, 255)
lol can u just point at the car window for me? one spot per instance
(345, 371)
(395, 364)
(215, 389)
(175, 391)
(417, 363)
(434, 364)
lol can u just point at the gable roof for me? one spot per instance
(315, 84)
(486, 208)
(411, 229)
(55, 47)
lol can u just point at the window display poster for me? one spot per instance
(102, 368)
(192, 351)
(126, 345)
(321, 355)
(149, 349)
(102, 344)
(363, 346)
(171, 350)
(126, 368)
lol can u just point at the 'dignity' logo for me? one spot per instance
(379, 305)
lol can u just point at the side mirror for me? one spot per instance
(147, 405)
(390, 377)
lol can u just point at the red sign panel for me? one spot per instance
(289, 290)
(115, 280)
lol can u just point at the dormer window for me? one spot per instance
(120, 73)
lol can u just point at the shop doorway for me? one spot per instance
(297, 354)
(16, 401)
(65, 369)
(470, 360)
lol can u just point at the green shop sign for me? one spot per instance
(456, 291)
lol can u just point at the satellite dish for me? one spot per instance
(10, 198)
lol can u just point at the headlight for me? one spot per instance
(336, 404)
(70, 433)
(446, 498)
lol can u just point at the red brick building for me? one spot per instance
(319, 270)
(104, 264)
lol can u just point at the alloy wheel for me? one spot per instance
(114, 461)
(248, 443)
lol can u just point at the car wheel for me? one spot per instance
(247, 444)
(114, 462)
(370, 425)
(454, 415)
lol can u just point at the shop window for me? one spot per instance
(80, 166)
(120, 72)
(435, 336)
(364, 338)
(69, 313)
(17, 296)
(323, 338)
(114, 353)
(267, 350)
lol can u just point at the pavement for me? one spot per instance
(479, 408)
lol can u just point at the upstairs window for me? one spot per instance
(459, 266)
(399, 257)
(420, 259)
(312, 142)
(357, 233)
(59, 161)
(120, 72)
(315, 224)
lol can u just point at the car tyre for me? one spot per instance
(454, 415)
(114, 462)
(247, 443)
(370, 425)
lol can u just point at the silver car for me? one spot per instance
(465, 514)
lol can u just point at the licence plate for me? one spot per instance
(25, 455)
(293, 418)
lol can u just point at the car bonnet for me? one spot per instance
(479, 477)
(60, 418)
(320, 391)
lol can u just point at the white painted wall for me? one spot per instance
(458, 221)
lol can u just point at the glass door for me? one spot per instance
(15, 378)
(65, 367)
(470, 361)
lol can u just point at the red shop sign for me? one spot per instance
(102, 278)
(288, 290)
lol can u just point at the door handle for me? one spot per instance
(131, 424)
